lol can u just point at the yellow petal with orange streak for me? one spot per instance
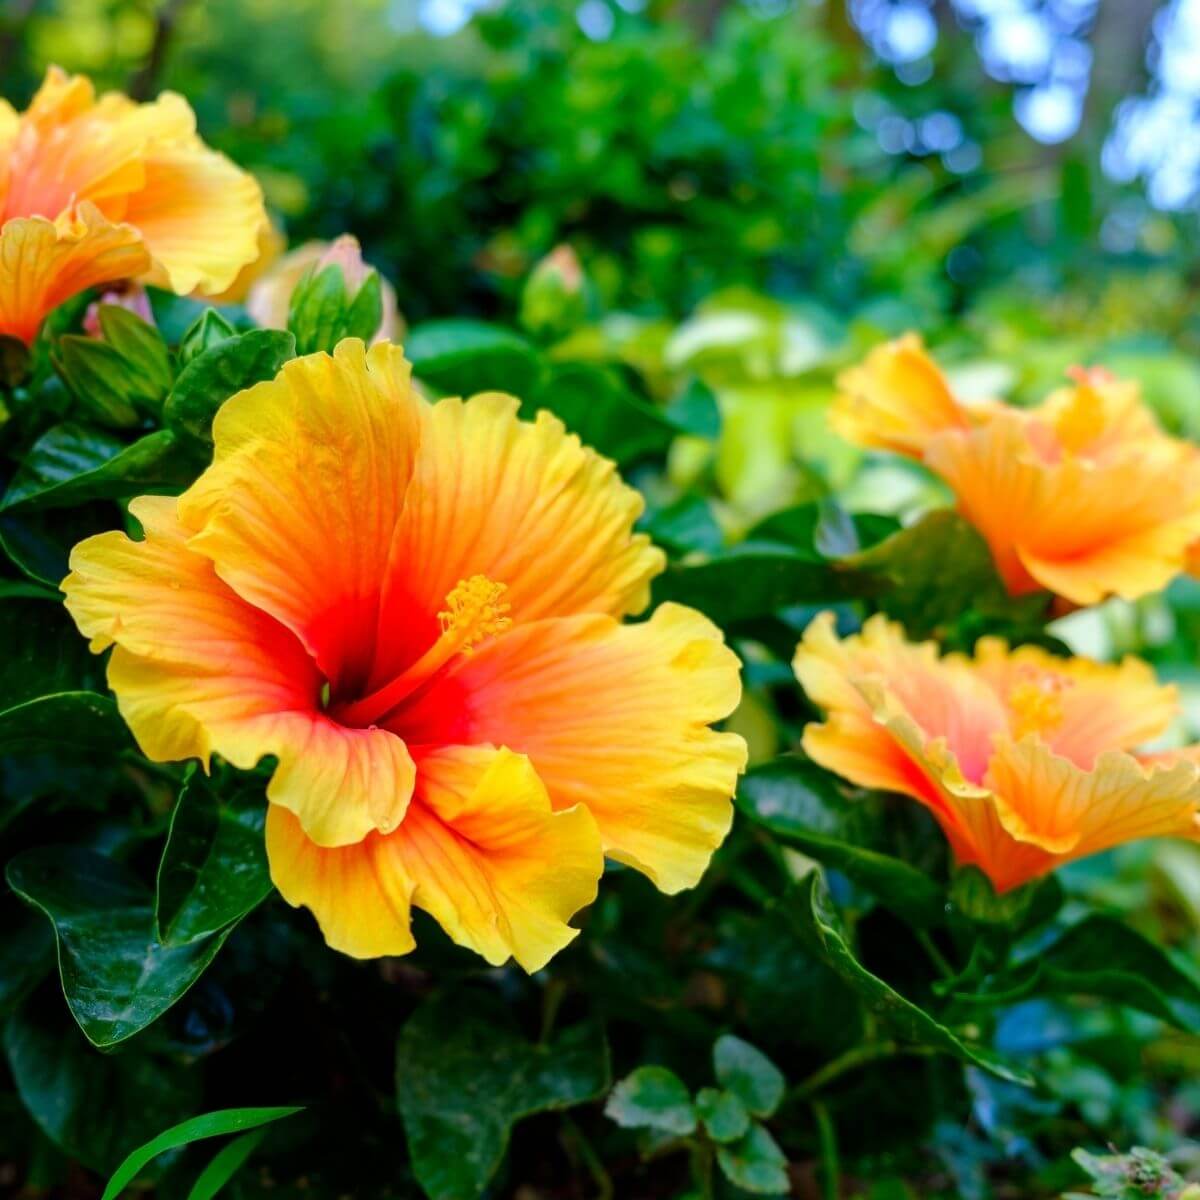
(523, 503)
(201, 217)
(298, 509)
(43, 263)
(896, 399)
(480, 849)
(363, 910)
(615, 718)
(197, 670)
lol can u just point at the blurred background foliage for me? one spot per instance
(756, 193)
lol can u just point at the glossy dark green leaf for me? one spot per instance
(807, 906)
(600, 408)
(749, 1074)
(465, 1076)
(26, 956)
(724, 1115)
(46, 679)
(219, 372)
(92, 1105)
(194, 1129)
(39, 544)
(743, 585)
(684, 527)
(225, 1164)
(1103, 957)
(802, 803)
(73, 463)
(652, 1098)
(463, 356)
(213, 869)
(755, 1163)
(116, 975)
(928, 575)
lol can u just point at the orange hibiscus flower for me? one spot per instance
(1083, 495)
(416, 609)
(1024, 759)
(99, 189)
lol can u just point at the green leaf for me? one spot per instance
(724, 1115)
(683, 527)
(15, 364)
(802, 803)
(928, 575)
(72, 463)
(695, 411)
(807, 907)
(26, 955)
(749, 1074)
(116, 975)
(225, 1164)
(91, 1105)
(213, 869)
(219, 372)
(213, 1124)
(652, 1098)
(465, 1076)
(209, 328)
(607, 416)
(461, 357)
(745, 584)
(74, 721)
(755, 1163)
(39, 544)
(1103, 957)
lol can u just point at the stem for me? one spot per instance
(552, 999)
(936, 956)
(591, 1160)
(831, 1170)
(702, 1167)
(852, 1059)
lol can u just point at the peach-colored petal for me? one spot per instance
(896, 400)
(615, 718)
(298, 509)
(43, 263)
(197, 670)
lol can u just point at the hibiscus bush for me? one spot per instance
(540, 708)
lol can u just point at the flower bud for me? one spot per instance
(554, 299)
(131, 296)
(340, 296)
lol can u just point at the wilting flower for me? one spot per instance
(94, 190)
(270, 296)
(1083, 495)
(415, 609)
(1025, 760)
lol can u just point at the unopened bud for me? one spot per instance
(554, 299)
(131, 296)
(340, 296)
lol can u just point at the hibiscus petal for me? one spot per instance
(522, 503)
(614, 717)
(197, 670)
(480, 849)
(43, 263)
(299, 506)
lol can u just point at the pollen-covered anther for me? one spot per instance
(475, 610)
(1036, 704)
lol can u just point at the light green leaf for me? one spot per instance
(755, 1163)
(749, 1074)
(724, 1115)
(213, 1124)
(652, 1098)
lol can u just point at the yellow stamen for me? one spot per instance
(1082, 418)
(474, 612)
(1036, 704)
